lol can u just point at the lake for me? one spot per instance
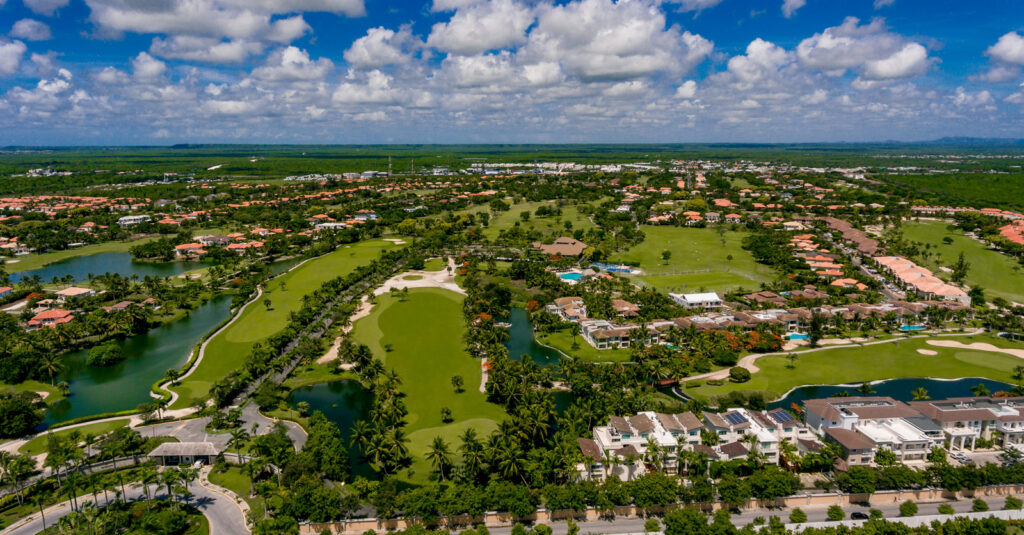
(124, 386)
(342, 402)
(898, 389)
(80, 267)
(522, 342)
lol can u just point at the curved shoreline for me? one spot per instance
(881, 381)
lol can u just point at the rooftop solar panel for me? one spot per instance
(735, 418)
(782, 416)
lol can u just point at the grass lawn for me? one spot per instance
(435, 264)
(545, 225)
(562, 341)
(425, 333)
(36, 261)
(53, 394)
(227, 351)
(38, 445)
(872, 363)
(237, 480)
(699, 260)
(997, 273)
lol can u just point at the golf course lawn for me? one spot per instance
(997, 273)
(38, 445)
(425, 334)
(545, 225)
(36, 261)
(891, 360)
(435, 264)
(227, 351)
(699, 260)
(562, 341)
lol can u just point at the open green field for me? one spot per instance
(425, 334)
(38, 445)
(435, 264)
(872, 363)
(36, 261)
(53, 394)
(997, 273)
(700, 259)
(545, 225)
(562, 341)
(227, 351)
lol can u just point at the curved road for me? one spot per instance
(224, 515)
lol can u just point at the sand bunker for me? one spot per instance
(928, 352)
(979, 346)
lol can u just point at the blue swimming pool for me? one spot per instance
(613, 267)
(571, 276)
(906, 328)
(797, 336)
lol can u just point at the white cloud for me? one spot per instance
(229, 107)
(381, 47)
(479, 71)
(688, 90)
(789, 7)
(10, 56)
(450, 5)
(479, 28)
(762, 59)
(965, 99)
(879, 4)
(147, 69)
(45, 7)
(998, 74)
(375, 88)
(1009, 48)
(110, 75)
(602, 40)
(292, 64)
(695, 5)
(31, 30)
(870, 49)
(205, 49)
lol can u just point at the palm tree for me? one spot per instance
(920, 394)
(50, 364)
(866, 389)
(980, 390)
(169, 478)
(188, 475)
(439, 456)
(239, 437)
(147, 477)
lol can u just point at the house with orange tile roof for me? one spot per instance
(50, 318)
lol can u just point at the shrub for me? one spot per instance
(693, 384)
(836, 513)
(798, 516)
(979, 505)
(875, 513)
(716, 382)
(105, 355)
(1013, 503)
(651, 525)
(739, 374)
(946, 509)
(908, 508)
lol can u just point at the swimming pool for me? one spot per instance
(613, 268)
(906, 328)
(797, 336)
(575, 277)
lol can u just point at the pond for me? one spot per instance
(898, 389)
(342, 402)
(80, 267)
(124, 386)
(522, 342)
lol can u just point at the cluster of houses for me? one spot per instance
(921, 280)
(630, 446)
(714, 314)
(235, 242)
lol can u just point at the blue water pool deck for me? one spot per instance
(571, 277)
(797, 336)
(614, 268)
(907, 328)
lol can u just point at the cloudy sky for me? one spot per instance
(97, 72)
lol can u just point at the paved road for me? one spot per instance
(636, 525)
(194, 430)
(224, 515)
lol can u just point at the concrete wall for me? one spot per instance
(543, 516)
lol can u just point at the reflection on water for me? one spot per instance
(898, 389)
(521, 340)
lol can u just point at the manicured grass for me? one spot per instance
(435, 264)
(36, 261)
(875, 362)
(34, 386)
(237, 480)
(997, 273)
(38, 445)
(412, 277)
(562, 341)
(425, 334)
(226, 352)
(545, 225)
(699, 260)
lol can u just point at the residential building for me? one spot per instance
(50, 318)
(74, 292)
(132, 220)
(709, 300)
(562, 247)
(964, 420)
(568, 309)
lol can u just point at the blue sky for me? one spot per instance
(100, 72)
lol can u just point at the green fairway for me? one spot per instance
(699, 260)
(36, 261)
(545, 225)
(562, 341)
(425, 335)
(227, 350)
(38, 445)
(435, 264)
(52, 396)
(997, 273)
(875, 362)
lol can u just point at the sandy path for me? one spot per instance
(980, 346)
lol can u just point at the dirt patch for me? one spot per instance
(928, 352)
